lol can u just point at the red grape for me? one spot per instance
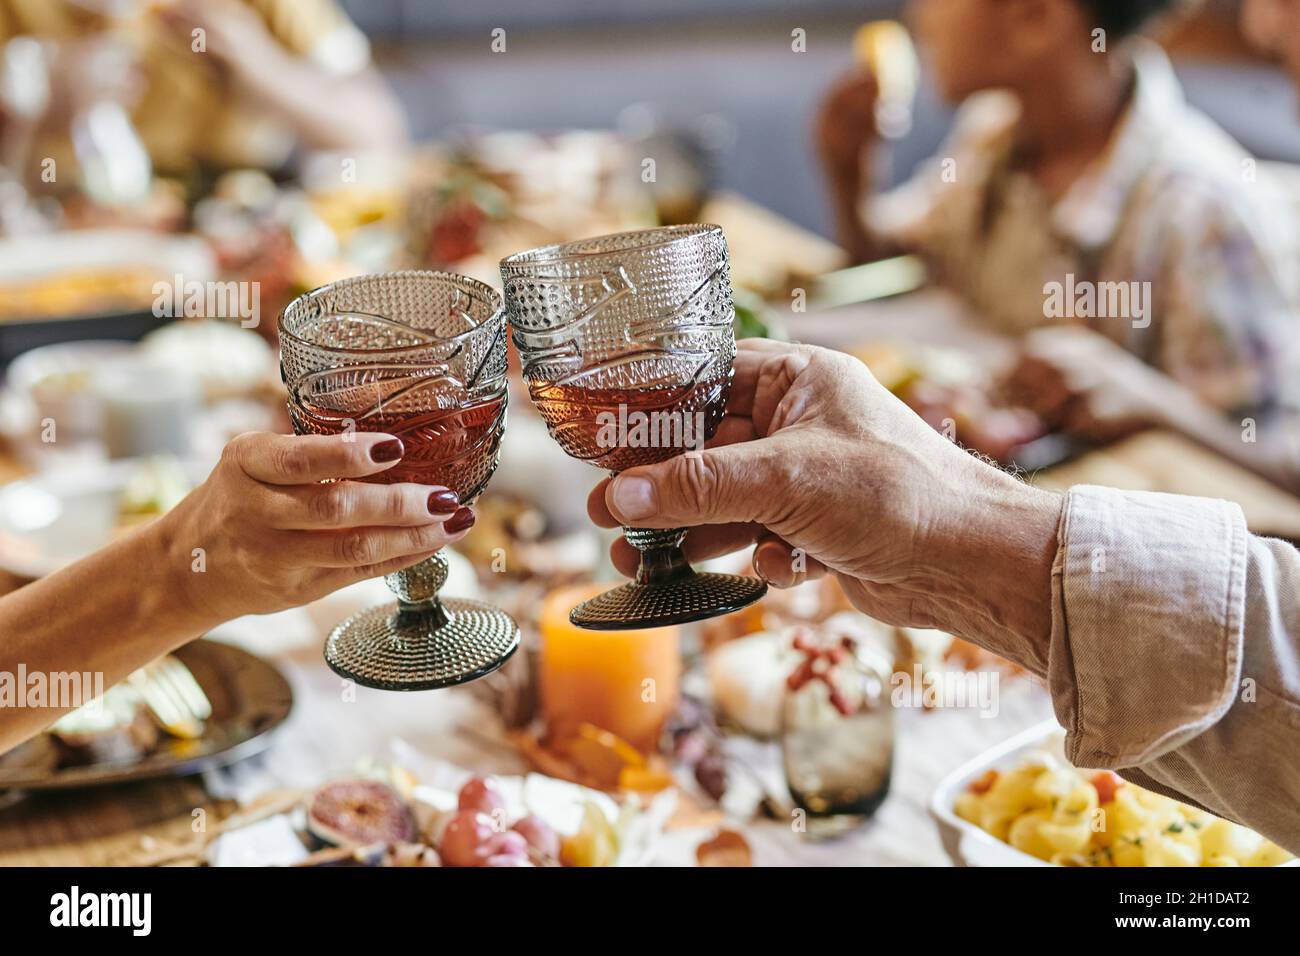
(482, 794)
(539, 835)
(467, 840)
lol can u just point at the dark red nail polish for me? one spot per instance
(387, 451)
(443, 503)
(462, 519)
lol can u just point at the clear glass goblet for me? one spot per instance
(422, 356)
(627, 343)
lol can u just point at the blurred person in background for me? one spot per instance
(1274, 27)
(1075, 159)
(261, 79)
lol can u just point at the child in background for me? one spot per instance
(1075, 161)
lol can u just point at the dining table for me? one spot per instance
(335, 728)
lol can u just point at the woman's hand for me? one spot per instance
(263, 533)
(827, 471)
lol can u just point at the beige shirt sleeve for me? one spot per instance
(1175, 653)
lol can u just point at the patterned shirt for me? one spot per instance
(1173, 227)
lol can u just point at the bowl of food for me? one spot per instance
(53, 384)
(1021, 803)
(93, 284)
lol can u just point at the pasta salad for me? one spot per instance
(1052, 811)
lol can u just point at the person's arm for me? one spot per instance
(106, 615)
(845, 130)
(930, 213)
(1144, 611)
(1264, 445)
(261, 534)
(1173, 653)
(1224, 325)
(328, 108)
(1082, 382)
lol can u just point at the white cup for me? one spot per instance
(148, 409)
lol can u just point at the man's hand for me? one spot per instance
(827, 471)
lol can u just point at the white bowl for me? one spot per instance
(77, 412)
(964, 842)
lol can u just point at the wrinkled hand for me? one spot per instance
(827, 471)
(273, 536)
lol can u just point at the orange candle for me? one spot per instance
(625, 682)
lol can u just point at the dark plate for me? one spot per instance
(22, 335)
(249, 699)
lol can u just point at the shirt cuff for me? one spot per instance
(1148, 605)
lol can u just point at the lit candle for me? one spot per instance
(625, 682)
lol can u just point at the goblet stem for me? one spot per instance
(426, 642)
(417, 590)
(662, 560)
(666, 590)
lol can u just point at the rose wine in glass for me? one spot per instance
(422, 356)
(618, 428)
(452, 447)
(627, 343)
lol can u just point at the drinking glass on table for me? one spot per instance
(837, 734)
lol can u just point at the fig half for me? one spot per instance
(359, 813)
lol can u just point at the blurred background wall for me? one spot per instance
(582, 63)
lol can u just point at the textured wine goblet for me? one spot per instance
(638, 323)
(420, 355)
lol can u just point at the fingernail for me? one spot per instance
(443, 503)
(772, 565)
(634, 498)
(462, 519)
(386, 451)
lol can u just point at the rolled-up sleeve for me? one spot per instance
(1174, 655)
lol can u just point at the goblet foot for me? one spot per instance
(688, 597)
(392, 648)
